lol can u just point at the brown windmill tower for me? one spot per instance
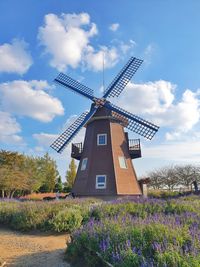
(105, 168)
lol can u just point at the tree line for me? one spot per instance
(175, 177)
(22, 174)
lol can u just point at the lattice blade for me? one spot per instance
(66, 137)
(73, 85)
(123, 77)
(133, 122)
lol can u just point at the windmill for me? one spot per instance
(105, 168)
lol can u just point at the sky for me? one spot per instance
(39, 39)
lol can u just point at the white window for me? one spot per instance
(101, 139)
(122, 163)
(84, 164)
(100, 181)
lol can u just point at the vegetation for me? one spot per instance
(58, 185)
(164, 193)
(67, 220)
(20, 174)
(125, 233)
(70, 175)
(57, 216)
(49, 173)
(151, 233)
(173, 177)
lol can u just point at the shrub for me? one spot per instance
(67, 220)
(7, 210)
(162, 193)
(44, 216)
(30, 216)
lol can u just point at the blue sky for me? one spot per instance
(41, 38)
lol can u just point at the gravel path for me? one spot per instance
(32, 250)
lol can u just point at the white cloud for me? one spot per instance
(9, 129)
(156, 101)
(147, 98)
(67, 39)
(94, 60)
(15, 57)
(40, 85)
(185, 114)
(172, 136)
(148, 53)
(110, 55)
(114, 27)
(29, 99)
(154, 155)
(126, 47)
(45, 139)
(174, 151)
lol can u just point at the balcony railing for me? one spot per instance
(77, 150)
(134, 148)
(133, 144)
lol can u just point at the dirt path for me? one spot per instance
(32, 250)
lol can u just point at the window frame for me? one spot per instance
(98, 136)
(85, 164)
(125, 166)
(97, 184)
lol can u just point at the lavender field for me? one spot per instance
(145, 233)
(128, 232)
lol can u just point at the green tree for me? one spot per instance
(59, 185)
(12, 175)
(33, 170)
(71, 174)
(49, 173)
(20, 174)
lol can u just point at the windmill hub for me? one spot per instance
(100, 102)
(105, 167)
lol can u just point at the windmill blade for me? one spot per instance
(63, 140)
(123, 77)
(133, 122)
(73, 85)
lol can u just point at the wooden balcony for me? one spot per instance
(134, 148)
(77, 150)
